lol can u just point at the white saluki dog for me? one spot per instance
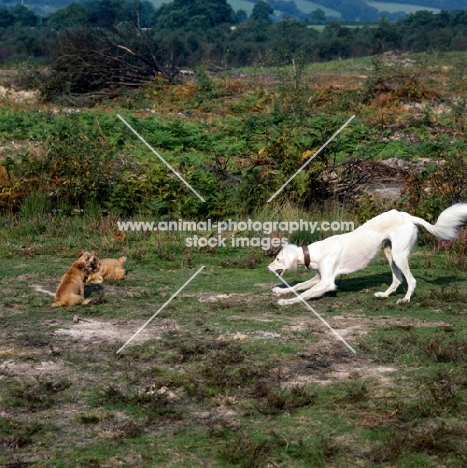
(353, 251)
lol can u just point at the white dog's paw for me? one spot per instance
(278, 290)
(283, 302)
(404, 300)
(380, 294)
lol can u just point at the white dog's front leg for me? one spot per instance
(278, 290)
(298, 287)
(317, 291)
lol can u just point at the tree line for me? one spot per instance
(140, 41)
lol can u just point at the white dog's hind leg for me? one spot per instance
(403, 264)
(396, 273)
(298, 287)
(400, 256)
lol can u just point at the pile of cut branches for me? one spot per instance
(91, 64)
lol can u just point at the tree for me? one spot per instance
(105, 13)
(385, 37)
(6, 18)
(262, 11)
(182, 13)
(73, 15)
(140, 13)
(240, 16)
(318, 16)
(420, 19)
(24, 16)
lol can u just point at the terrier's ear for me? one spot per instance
(79, 254)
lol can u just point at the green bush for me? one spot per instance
(72, 165)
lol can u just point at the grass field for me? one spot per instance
(405, 7)
(223, 376)
(308, 7)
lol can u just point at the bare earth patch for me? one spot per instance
(43, 290)
(212, 297)
(327, 360)
(12, 368)
(91, 331)
(85, 334)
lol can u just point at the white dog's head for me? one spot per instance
(286, 259)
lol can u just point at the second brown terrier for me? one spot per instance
(70, 291)
(109, 269)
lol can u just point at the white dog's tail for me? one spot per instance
(448, 222)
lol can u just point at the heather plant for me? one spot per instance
(442, 184)
(70, 165)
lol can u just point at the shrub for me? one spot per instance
(73, 166)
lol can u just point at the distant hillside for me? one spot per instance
(345, 10)
(405, 7)
(439, 4)
(366, 11)
(307, 7)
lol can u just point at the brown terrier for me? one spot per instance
(70, 291)
(109, 269)
(91, 259)
(102, 269)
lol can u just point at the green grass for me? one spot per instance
(405, 7)
(309, 7)
(223, 376)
